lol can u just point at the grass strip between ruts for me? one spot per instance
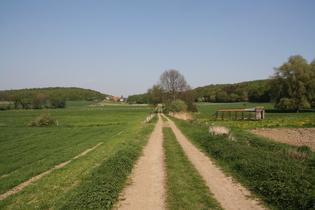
(185, 187)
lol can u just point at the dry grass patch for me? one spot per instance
(221, 131)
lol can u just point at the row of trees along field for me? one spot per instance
(172, 90)
(292, 87)
(253, 91)
(53, 97)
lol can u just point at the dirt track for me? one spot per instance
(147, 189)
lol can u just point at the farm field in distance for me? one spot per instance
(26, 152)
(292, 128)
(273, 119)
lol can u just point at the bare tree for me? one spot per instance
(172, 82)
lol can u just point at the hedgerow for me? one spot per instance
(281, 175)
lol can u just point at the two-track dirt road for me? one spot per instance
(147, 189)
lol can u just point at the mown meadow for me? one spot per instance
(281, 175)
(116, 132)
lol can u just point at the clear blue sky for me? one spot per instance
(121, 47)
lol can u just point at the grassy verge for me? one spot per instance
(186, 189)
(281, 175)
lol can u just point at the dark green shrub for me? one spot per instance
(58, 102)
(44, 120)
(178, 106)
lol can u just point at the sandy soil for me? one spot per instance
(295, 136)
(147, 189)
(229, 194)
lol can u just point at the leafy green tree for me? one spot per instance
(138, 99)
(4, 96)
(17, 99)
(222, 96)
(290, 83)
(234, 97)
(155, 95)
(58, 102)
(26, 103)
(177, 106)
(40, 100)
(310, 85)
(188, 97)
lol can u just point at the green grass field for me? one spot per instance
(28, 151)
(282, 175)
(306, 118)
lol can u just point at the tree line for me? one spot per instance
(172, 90)
(253, 91)
(53, 97)
(292, 87)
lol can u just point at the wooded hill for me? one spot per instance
(53, 97)
(252, 91)
(69, 93)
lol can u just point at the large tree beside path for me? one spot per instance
(177, 91)
(293, 84)
(172, 89)
(173, 83)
